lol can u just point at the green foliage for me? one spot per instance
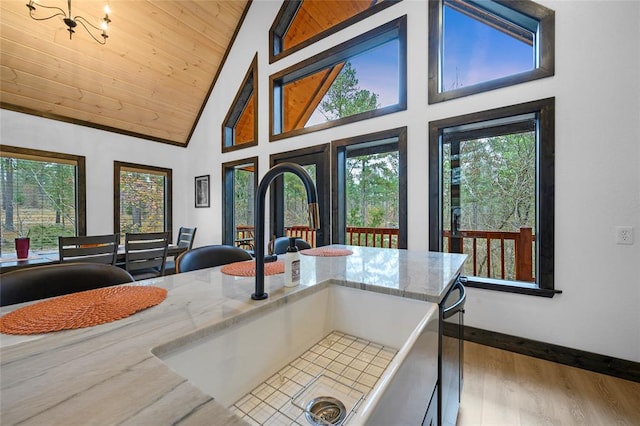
(142, 198)
(344, 98)
(45, 236)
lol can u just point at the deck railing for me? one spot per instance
(513, 251)
(355, 236)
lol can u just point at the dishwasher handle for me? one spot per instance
(459, 305)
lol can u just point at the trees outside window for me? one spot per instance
(239, 183)
(43, 197)
(143, 198)
(491, 180)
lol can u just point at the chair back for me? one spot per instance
(186, 237)
(210, 256)
(93, 248)
(280, 245)
(146, 254)
(41, 282)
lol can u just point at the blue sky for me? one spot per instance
(475, 52)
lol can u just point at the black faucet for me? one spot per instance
(314, 218)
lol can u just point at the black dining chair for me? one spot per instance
(93, 248)
(210, 256)
(280, 245)
(146, 254)
(41, 282)
(186, 236)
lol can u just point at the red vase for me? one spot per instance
(22, 247)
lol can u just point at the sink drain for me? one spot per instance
(325, 410)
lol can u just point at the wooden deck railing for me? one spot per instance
(522, 251)
(355, 236)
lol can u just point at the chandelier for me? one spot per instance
(72, 21)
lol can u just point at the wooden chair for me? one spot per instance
(41, 282)
(94, 249)
(280, 245)
(186, 236)
(146, 254)
(210, 256)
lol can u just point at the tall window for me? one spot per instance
(362, 78)
(240, 126)
(477, 46)
(370, 197)
(289, 208)
(302, 22)
(43, 197)
(142, 199)
(492, 195)
(239, 183)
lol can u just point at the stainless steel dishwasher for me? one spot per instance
(451, 353)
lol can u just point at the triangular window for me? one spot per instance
(240, 126)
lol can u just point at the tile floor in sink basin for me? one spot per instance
(348, 359)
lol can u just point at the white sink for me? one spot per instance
(231, 362)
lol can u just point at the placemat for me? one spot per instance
(82, 309)
(248, 268)
(326, 252)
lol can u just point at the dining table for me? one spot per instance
(10, 262)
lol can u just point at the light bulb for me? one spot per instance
(107, 10)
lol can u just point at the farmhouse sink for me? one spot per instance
(232, 361)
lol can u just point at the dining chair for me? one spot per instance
(92, 248)
(280, 245)
(210, 256)
(41, 282)
(146, 254)
(186, 236)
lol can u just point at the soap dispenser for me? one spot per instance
(292, 264)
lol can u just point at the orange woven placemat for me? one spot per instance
(248, 268)
(82, 309)
(326, 252)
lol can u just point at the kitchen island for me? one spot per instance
(107, 374)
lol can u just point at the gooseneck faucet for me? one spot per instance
(314, 218)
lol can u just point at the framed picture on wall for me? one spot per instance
(202, 191)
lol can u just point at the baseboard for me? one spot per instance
(611, 366)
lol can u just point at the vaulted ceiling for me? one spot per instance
(151, 79)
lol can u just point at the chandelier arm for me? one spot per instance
(84, 23)
(61, 13)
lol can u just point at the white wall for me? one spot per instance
(101, 149)
(597, 91)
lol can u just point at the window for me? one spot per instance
(302, 22)
(239, 183)
(240, 126)
(142, 198)
(476, 46)
(491, 186)
(43, 197)
(370, 194)
(289, 208)
(362, 78)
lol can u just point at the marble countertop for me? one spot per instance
(107, 374)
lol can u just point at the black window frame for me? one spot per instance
(287, 14)
(544, 44)
(80, 175)
(168, 196)
(371, 143)
(396, 28)
(228, 205)
(248, 88)
(544, 111)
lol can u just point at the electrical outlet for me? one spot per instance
(624, 235)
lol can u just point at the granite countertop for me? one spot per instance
(107, 374)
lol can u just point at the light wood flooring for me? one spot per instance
(506, 388)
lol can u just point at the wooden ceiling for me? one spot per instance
(151, 79)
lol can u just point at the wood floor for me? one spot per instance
(506, 388)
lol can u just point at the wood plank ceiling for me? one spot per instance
(150, 80)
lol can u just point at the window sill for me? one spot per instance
(509, 287)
